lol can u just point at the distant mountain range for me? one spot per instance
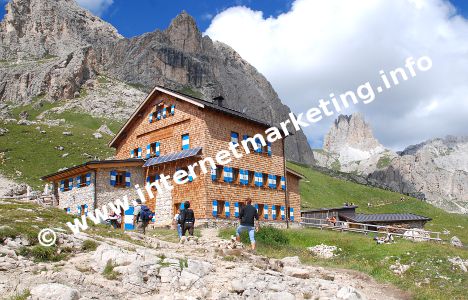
(435, 170)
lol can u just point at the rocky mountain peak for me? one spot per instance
(184, 33)
(38, 28)
(351, 132)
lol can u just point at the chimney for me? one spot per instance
(218, 100)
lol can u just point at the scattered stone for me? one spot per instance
(455, 241)
(348, 293)
(296, 272)
(291, 261)
(60, 148)
(54, 291)
(398, 268)
(25, 122)
(105, 129)
(416, 235)
(97, 135)
(43, 132)
(323, 251)
(17, 190)
(67, 133)
(3, 131)
(458, 262)
(65, 155)
(23, 115)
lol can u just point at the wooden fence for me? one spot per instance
(408, 233)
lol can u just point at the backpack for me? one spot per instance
(146, 214)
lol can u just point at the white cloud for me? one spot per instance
(97, 7)
(319, 47)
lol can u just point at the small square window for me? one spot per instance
(82, 180)
(120, 179)
(235, 176)
(234, 137)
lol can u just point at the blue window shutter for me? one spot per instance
(213, 174)
(283, 183)
(215, 208)
(259, 146)
(86, 209)
(112, 177)
(156, 177)
(269, 148)
(265, 211)
(127, 179)
(132, 153)
(158, 115)
(236, 209)
(62, 185)
(150, 118)
(78, 181)
(164, 113)
(226, 209)
(241, 176)
(234, 137)
(157, 148)
(185, 142)
(139, 152)
(291, 214)
(256, 206)
(148, 151)
(273, 212)
(226, 174)
(190, 177)
(79, 210)
(246, 177)
(128, 218)
(68, 210)
(172, 109)
(70, 183)
(88, 178)
(282, 213)
(148, 179)
(244, 137)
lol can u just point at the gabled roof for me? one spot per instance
(90, 165)
(190, 99)
(366, 218)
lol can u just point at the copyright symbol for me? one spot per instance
(47, 237)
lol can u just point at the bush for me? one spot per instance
(89, 245)
(109, 272)
(42, 254)
(271, 236)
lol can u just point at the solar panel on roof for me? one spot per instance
(173, 156)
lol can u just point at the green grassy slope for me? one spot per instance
(319, 190)
(34, 154)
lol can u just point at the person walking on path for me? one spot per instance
(187, 219)
(177, 220)
(142, 215)
(247, 216)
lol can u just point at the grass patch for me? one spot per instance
(361, 253)
(183, 263)
(41, 253)
(89, 245)
(109, 272)
(17, 150)
(20, 296)
(383, 162)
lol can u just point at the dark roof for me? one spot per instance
(172, 157)
(196, 101)
(366, 218)
(93, 163)
(330, 209)
(223, 109)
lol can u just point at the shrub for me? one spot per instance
(42, 253)
(109, 272)
(271, 236)
(21, 296)
(89, 245)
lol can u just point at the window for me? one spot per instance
(120, 178)
(235, 176)
(66, 184)
(251, 178)
(154, 149)
(220, 209)
(185, 142)
(265, 180)
(134, 153)
(82, 210)
(278, 212)
(234, 137)
(260, 212)
(219, 173)
(82, 180)
(278, 182)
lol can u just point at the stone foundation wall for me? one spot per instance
(163, 209)
(77, 196)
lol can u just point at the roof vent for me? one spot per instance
(218, 100)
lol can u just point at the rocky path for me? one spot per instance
(204, 268)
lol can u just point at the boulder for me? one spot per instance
(97, 135)
(348, 293)
(291, 261)
(3, 131)
(323, 251)
(54, 291)
(67, 133)
(296, 272)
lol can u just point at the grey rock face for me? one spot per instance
(53, 48)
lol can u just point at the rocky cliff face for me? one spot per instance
(53, 48)
(436, 170)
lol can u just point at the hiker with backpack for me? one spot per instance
(142, 215)
(187, 219)
(247, 216)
